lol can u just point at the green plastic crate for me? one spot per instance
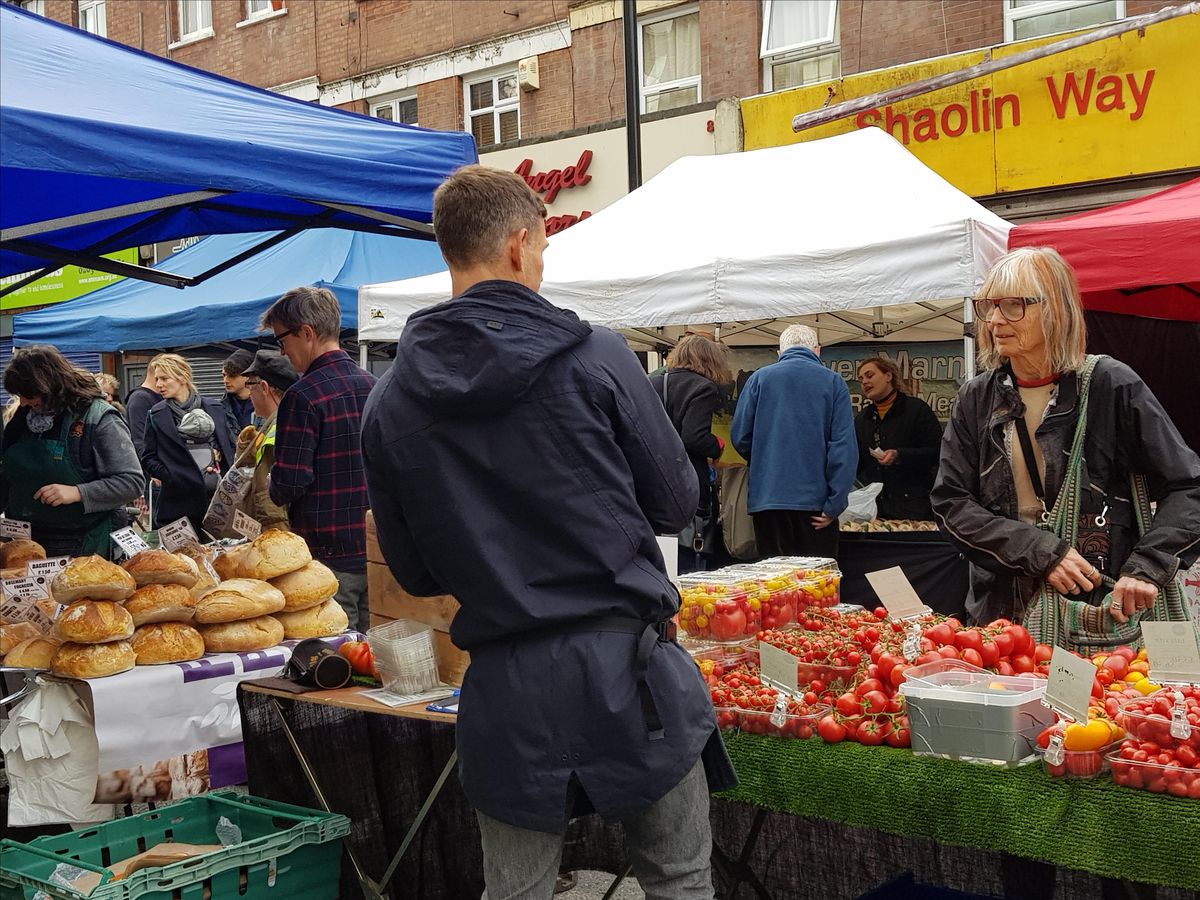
(286, 852)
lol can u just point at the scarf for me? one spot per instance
(193, 423)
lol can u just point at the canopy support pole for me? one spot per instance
(969, 338)
(103, 215)
(362, 353)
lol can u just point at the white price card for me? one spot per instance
(177, 534)
(896, 593)
(28, 588)
(28, 609)
(48, 567)
(1173, 652)
(1069, 686)
(247, 526)
(129, 541)
(14, 528)
(777, 667)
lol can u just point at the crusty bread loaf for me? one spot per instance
(13, 633)
(19, 551)
(94, 622)
(228, 563)
(237, 599)
(93, 578)
(33, 653)
(307, 587)
(325, 620)
(93, 660)
(166, 642)
(161, 567)
(273, 553)
(239, 637)
(160, 603)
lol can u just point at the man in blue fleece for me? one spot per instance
(795, 426)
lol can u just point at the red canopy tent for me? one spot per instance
(1138, 258)
(1138, 265)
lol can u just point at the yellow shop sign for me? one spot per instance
(1127, 105)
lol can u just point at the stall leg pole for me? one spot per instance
(419, 820)
(370, 890)
(738, 871)
(612, 888)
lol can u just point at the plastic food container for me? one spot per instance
(1079, 764)
(758, 721)
(404, 656)
(717, 607)
(1172, 780)
(715, 661)
(959, 711)
(283, 851)
(1145, 726)
(836, 678)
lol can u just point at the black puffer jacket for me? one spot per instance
(911, 429)
(1128, 432)
(690, 400)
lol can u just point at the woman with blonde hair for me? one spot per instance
(187, 444)
(690, 389)
(1049, 465)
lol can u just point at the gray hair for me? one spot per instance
(798, 336)
(312, 306)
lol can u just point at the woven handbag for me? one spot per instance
(1076, 624)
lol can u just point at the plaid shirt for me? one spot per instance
(318, 471)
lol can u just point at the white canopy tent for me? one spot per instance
(851, 233)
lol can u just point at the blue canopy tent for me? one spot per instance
(103, 147)
(138, 315)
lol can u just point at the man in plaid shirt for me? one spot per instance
(318, 470)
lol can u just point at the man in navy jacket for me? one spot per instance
(518, 459)
(794, 424)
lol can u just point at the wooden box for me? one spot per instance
(388, 602)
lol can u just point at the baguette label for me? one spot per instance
(48, 567)
(247, 526)
(177, 534)
(14, 528)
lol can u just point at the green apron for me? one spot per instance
(32, 463)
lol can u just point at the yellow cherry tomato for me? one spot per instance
(1092, 736)
(1135, 677)
(1146, 686)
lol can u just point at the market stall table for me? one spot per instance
(835, 820)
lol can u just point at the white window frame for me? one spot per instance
(675, 12)
(830, 43)
(252, 17)
(188, 37)
(1015, 14)
(393, 101)
(97, 8)
(494, 76)
(37, 7)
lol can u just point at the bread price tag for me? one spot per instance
(47, 567)
(129, 542)
(178, 533)
(1069, 686)
(896, 593)
(35, 587)
(778, 667)
(28, 609)
(14, 528)
(247, 526)
(1174, 656)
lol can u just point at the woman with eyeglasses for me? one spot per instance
(1051, 507)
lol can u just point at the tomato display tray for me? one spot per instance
(1173, 781)
(758, 721)
(1145, 727)
(1081, 764)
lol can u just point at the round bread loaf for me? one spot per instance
(94, 622)
(228, 563)
(33, 653)
(161, 567)
(93, 578)
(273, 553)
(93, 660)
(15, 633)
(307, 587)
(325, 620)
(237, 599)
(240, 637)
(166, 642)
(19, 551)
(160, 603)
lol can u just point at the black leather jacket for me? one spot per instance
(975, 499)
(910, 428)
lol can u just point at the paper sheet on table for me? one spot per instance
(50, 756)
(387, 698)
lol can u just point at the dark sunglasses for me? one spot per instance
(1012, 308)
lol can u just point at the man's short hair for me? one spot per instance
(477, 208)
(798, 336)
(312, 306)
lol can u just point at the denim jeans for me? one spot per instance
(669, 847)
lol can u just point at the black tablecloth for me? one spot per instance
(377, 769)
(935, 568)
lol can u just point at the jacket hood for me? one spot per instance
(478, 353)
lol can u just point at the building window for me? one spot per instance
(494, 109)
(256, 9)
(37, 7)
(799, 43)
(195, 19)
(400, 109)
(92, 17)
(669, 61)
(1034, 18)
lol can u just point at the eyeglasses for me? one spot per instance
(1012, 308)
(253, 382)
(277, 339)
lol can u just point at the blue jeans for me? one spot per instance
(669, 847)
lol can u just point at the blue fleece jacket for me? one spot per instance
(795, 426)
